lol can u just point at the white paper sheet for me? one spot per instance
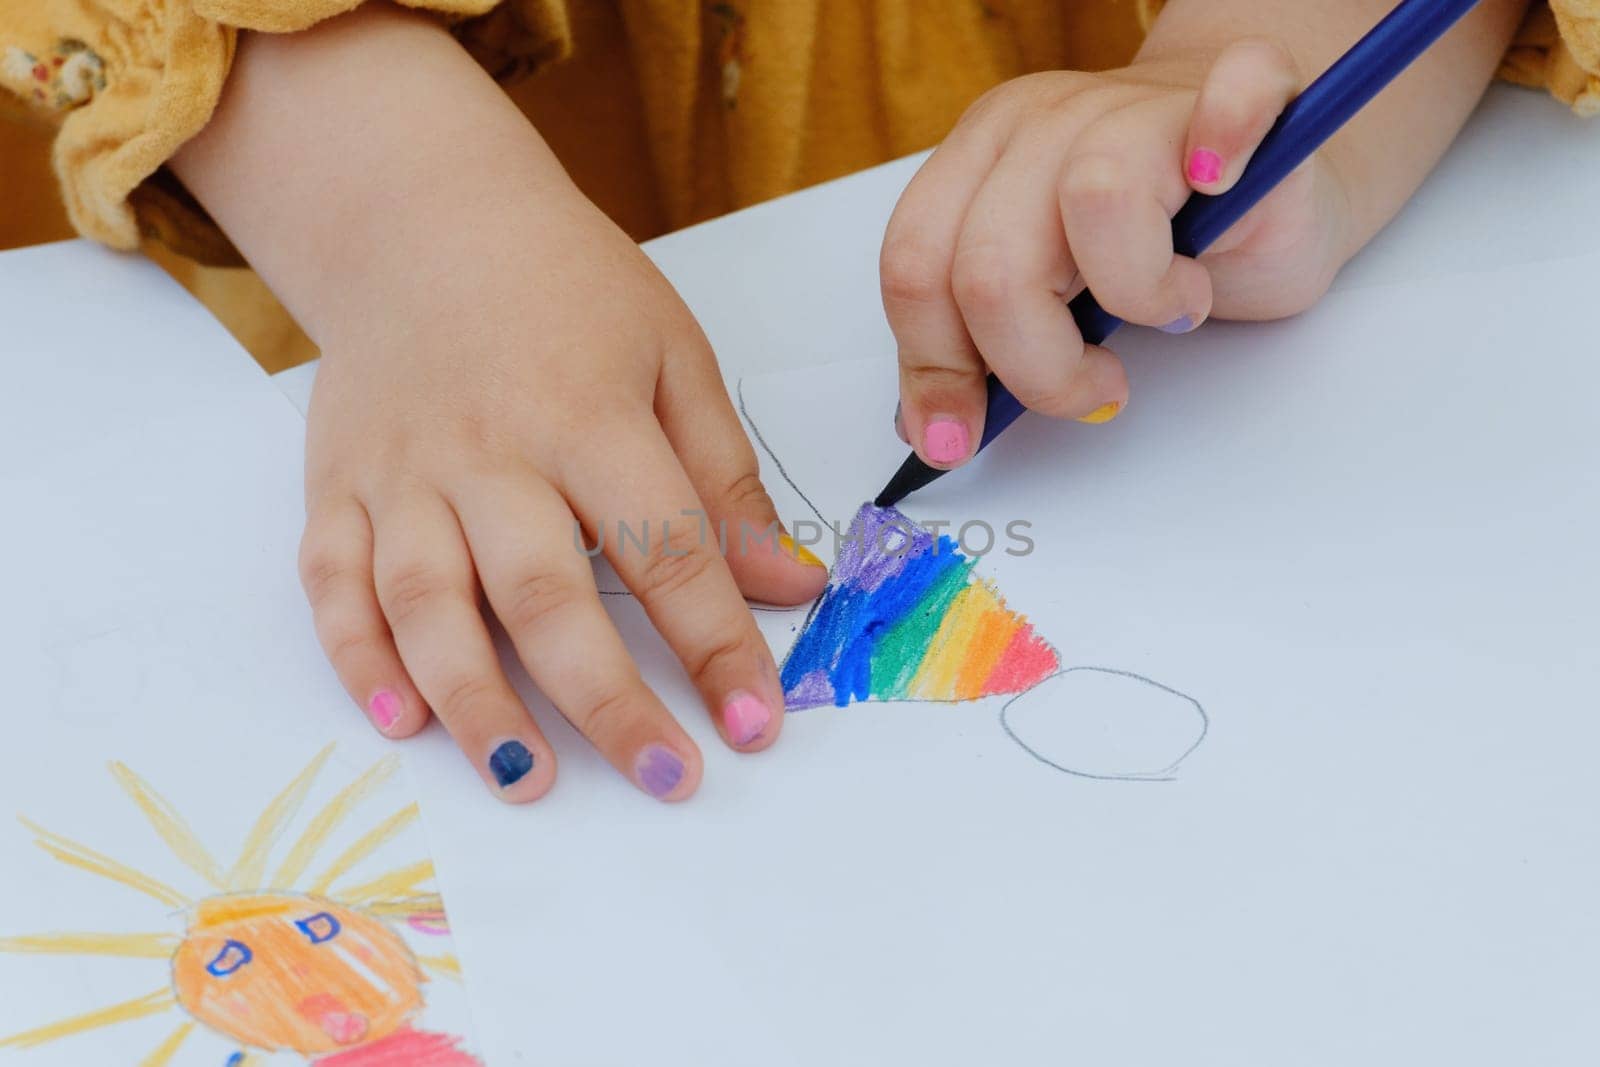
(1362, 539)
(152, 619)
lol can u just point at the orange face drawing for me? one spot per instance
(292, 971)
(287, 960)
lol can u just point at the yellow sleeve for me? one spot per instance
(1558, 48)
(126, 82)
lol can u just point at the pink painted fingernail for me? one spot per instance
(1205, 166)
(945, 440)
(746, 716)
(385, 708)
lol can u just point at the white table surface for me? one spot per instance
(793, 283)
(1519, 186)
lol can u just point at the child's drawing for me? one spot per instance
(314, 961)
(905, 617)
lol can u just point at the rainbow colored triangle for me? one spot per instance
(905, 618)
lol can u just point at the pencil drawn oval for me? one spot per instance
(1097, 722)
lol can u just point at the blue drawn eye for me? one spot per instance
(319, 927)
(229, 958)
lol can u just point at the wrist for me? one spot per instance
(359, 161)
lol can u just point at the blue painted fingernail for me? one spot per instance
(510, 763)
(1182, 325)
(659, 769)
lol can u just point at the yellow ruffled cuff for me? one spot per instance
(1557, 49)
(129, 81)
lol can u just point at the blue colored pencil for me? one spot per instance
(1305, 125)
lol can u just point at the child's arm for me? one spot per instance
(1058, 181)
(498, 357)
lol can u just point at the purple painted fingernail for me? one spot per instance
(659, 770)
(1179, 325)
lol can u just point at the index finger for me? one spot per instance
(941, 374)
(641, 506)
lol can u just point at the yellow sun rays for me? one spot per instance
(397, 894)
(251, 868)
(133, 946)
(405, 907)
(329, 819)
(162, 1054)
(447, 965)
(363, 847)
(149, 1004)
(170, 825)
(387, 886)
(86, 858)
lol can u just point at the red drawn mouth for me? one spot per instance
(329, 1015)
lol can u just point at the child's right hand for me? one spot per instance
(498, 359)
(1060, 181)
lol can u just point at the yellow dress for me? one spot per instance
(666, 112)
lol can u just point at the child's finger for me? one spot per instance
(336, 573)
(1118, 191)
(1246, 89)
(541, 587)
(941, 374)
(711, 443)
(425, 584)
(637, 493)
(1012, 276)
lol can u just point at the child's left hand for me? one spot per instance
(1056, 182)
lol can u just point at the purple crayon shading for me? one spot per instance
(810, 691)
(877, 547)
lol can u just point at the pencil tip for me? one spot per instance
(912, 475)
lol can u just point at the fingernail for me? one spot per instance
(385, 708)
(510, 763)
(945, 440)
(1103, 413)
(746, 717)
(899, 423)
(1179, 325)
(799, 552)
(1205, 166)
(659, 769)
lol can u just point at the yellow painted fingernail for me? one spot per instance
(800, 552)
(1103, 413)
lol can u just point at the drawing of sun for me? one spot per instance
(291, 962)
